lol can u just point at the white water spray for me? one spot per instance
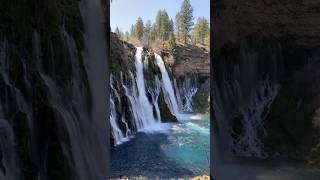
(119, 137)
(147, 110)
(169, 92)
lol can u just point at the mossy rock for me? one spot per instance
(166, 115)
(200, 102)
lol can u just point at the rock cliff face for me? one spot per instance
(193, 63)
(273, 42)
(190, 60)
(294, 22)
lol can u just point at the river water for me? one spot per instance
(178, 150)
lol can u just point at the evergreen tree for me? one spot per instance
(153, 33)
(185, 20)
(172, 45)
(158, 25)
(171, 28)
(139, 28)
(127, 36)
(148, 25)
(177, 25)
(201, 32)
(165, 29)
(146, 33)
(132, 33)
(162, 25)
(119, 33)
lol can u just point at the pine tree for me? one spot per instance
(201, 31)
(171, 28)
(146, 33)
(185, 20)
(165, 29)
(153, 33)
(158, 25)
(127, 36)
(132, 33)
(139, 28)
(119, 33)
(162, 25)
(172, 44)
(177, 25)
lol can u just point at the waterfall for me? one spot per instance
(116, 131)
(9, 169)
(132, 95)
(167, 85)
(185, 93)
(145, 112)
(244, 90)
(146, 106)
(249, 141)
(136, 108)
(178, 94)
(155, 92)
(96, 138)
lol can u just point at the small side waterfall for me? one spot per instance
(146, 107)
(185, 93)
(95, 58)
(243, 93)
(167, 85)
(135, 108)
(248, 142)
(116, 131)
(155, 92)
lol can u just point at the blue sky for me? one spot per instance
(124, 13)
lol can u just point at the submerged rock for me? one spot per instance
(202, 177)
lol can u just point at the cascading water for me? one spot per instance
(145, 112)
(132, 95)
(119, 137)
(145, 105)
(95, 58)
(155, 91)
(249, 142)
(243, 94)
(167, 85)
(185, 93)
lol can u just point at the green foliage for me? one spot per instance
(153, 33)
(201, 32)
(163, 26)
(169, 32)
(185, 20)
(171, 45)
(132, 33)
(200, 102)
(138, 29)
(177, 26)
(147, 32)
